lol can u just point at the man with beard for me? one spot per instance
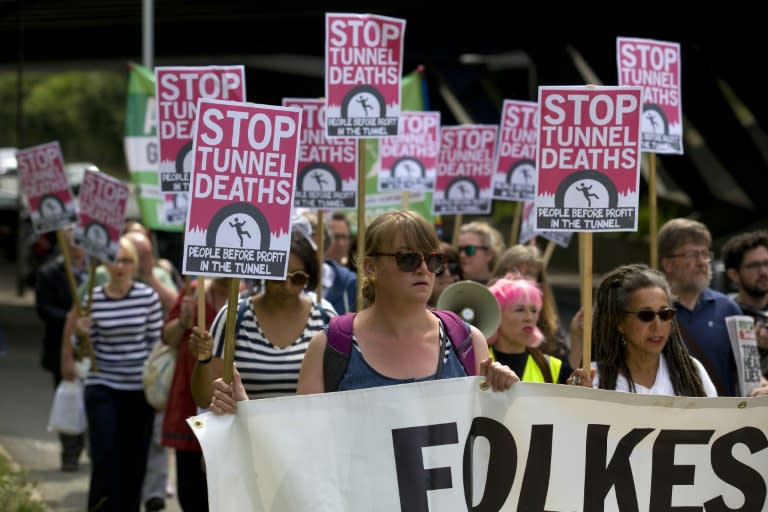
(685, 256)
(746, 264)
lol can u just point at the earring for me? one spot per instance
(622, 339)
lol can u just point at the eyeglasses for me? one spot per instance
(647, 315)
(408, 261)
(693, 255)
(451, 266)
(755, 265)
(298, 277)
(470, 250)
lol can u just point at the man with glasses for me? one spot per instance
(746, 264)
(685, 256)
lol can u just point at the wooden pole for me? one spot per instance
(85, 340)
(585, 264)
(652, 217)
(457, 222)
(360, 221)
(229, 332)
(200, 300)
(548, 250)
(320, 254)
(405, 200)
(514, 234)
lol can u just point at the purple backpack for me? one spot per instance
(339, 346)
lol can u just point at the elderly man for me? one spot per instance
(685, 256)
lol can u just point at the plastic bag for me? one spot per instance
(68, 409)
(158, 374)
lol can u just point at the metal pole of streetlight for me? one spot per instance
(147, 33)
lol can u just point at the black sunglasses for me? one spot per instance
(408, 261)
(451, 266)
(470, 250)
(298, 277)
(647, 315)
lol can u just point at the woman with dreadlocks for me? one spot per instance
(637, 344)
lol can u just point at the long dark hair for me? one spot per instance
(610, 353)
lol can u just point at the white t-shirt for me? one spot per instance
(663, 384)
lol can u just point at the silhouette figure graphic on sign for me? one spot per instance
(652, 119)
(240, 231)
(320, 179)
(526, 174)
(463, 189)
(363, 101)
(584, 189)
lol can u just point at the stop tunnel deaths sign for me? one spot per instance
(588, 159)
(243, 180)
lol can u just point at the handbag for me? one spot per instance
(158, 374)
(68, 409)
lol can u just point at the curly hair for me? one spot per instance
(611, 302)
(734, 249)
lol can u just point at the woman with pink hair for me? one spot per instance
(517, 338)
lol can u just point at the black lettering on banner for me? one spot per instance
(502, 464)
(413, 480)
(600, 477)
(665, 474)
(734, 472)
(533, 491)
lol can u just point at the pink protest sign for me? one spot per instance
(363, 66)
(528, 229)
(239, 216)
(588, 159)
(409, 161)
(327, 176)
(178, 89)
(44, 182)
(515, 166)
(655, 66)
(102, 214)
(464, 169)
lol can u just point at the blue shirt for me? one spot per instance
(359, 375)
(706, 323)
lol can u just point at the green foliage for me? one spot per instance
(15, 492)
(84, 111)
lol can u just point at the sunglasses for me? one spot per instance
(470, 250)
(408, 261)
(451, 266)
(647, 315)
(298, 277)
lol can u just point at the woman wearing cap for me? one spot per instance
(637, 343)
(274, 332)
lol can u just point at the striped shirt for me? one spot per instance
(123, 331)
(267, 370)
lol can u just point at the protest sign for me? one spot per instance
(655, 66)
(178, 89)
(588, 159)
(449, 446)
(464, 169)
(327, 176)
(515, 166)
(528, 229)
(741, 331)
(44, 182)
(102, 214)
(408, 161)
(243, 178)
(364, 62)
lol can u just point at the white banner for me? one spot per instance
(449, 446)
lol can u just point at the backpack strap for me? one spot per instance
(461, 338)
(337, 349)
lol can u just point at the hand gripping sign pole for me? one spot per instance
(85, 340)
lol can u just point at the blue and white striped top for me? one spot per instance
(123, 331)
(266, 370)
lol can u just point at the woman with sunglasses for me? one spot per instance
(637, 344)
(450, 274)
(480, 245)
(273, 334)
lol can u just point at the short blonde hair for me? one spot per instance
(490, 237)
